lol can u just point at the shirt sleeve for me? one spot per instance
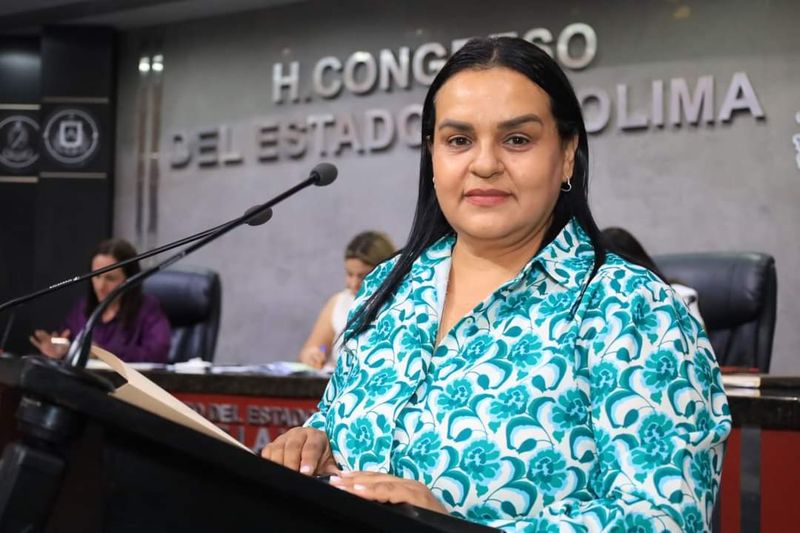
(153, 340)
(346, 358)
(659, 414)
(317, 420)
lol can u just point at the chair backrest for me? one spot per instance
(737, 293)
(192, 301)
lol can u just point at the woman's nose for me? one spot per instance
(486, 163)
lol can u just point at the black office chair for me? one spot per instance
(192, 301)
(737, 294)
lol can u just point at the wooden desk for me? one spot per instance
(761, 471)
(255, 409)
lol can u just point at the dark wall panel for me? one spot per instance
(20, 70)
(54, 211)
(70, 222)
(20, 74)
(17, 206)
(75, 192)
(78, 62)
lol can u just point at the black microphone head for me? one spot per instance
(324, 174)
(260, 218)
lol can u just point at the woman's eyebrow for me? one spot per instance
(505, 125)
(519, 121)
(456, 125)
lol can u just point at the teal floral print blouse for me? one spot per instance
(547, 407)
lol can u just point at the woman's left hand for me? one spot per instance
(387, 489)
(44, 343)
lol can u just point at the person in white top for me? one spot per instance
(366, 251)
(622, 242)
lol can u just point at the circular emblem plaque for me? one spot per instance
(71, 136)
(18, 141)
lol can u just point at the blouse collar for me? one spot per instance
(568, 254)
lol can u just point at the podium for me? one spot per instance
(82, 461)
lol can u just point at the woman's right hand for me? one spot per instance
(306, 450)
(313, 356)
(44, 343)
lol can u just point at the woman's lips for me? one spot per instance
(486, 197)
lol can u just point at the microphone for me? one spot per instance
(321, 175)
(257, 218)
(324, 173)
(71, 281)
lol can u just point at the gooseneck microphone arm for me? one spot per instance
(322, 174)
(67, 282)
(253, 220)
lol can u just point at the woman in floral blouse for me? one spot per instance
(504, 368)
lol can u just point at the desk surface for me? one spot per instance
(764, 408)
(240, 384)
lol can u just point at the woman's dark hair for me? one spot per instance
(429, 222)
(131, 300)
(624, 244)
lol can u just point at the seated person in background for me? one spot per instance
(134, 328)
(364, 253)
(622, 243)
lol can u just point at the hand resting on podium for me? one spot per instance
(308, 451)
(305, 450)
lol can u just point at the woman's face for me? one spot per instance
(105, 283)
(498, 160)
(355, 272)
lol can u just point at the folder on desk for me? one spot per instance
(143, 393)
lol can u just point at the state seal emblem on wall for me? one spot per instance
(18, 135)
(71, 136)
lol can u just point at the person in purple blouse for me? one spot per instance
(134, 328)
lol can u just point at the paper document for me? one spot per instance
(145, 394)
(748, 381)
(761, 381)
(97, 364)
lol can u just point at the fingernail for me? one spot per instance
(348, 473)
(334, 480)
(358, 486)
(306, 469)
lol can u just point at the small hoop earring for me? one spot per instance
(568, 188)
(433, 179)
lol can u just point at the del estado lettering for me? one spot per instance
(255, 424)
(291, 135)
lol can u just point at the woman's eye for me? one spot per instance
(458, 141)
(517, 140)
